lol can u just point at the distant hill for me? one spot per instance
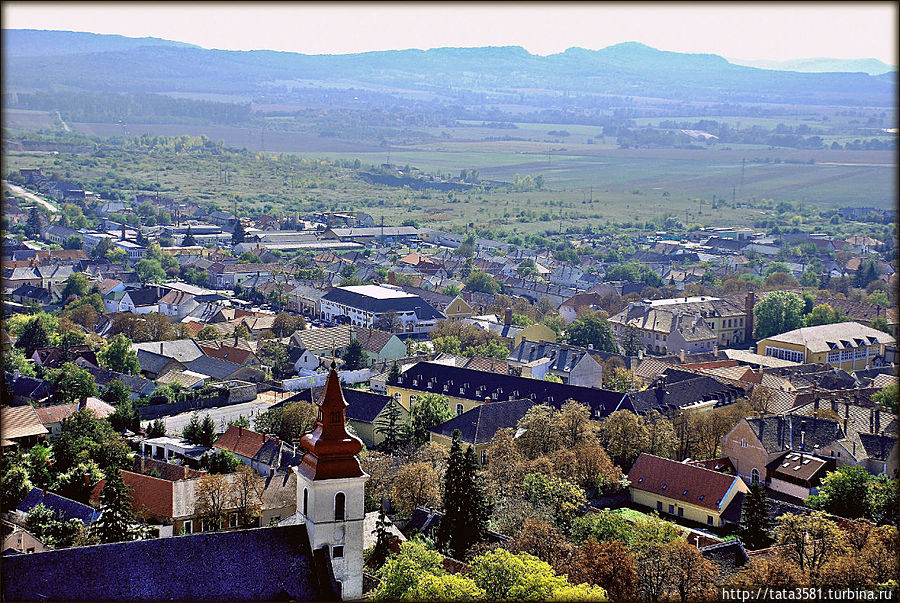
(823, 65)
(630, 69)
(44, 43)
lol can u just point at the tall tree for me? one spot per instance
(188, 240)
(354, 356)
(382, 541)
(777, 312)
(238, 235)
(114, 524)
(465, 507)
(246, 494)
(213, 498)
(631, 342)
(755, 520)
(118, 356)
(71, 383)
(36, 333)
(33, 225)
(388, 425)
(592, 330)
(428, 411)
(206, 436)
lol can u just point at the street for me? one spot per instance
(220, 416)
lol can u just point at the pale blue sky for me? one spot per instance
(750, 31)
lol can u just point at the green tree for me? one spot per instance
(238, 235)
(756, 525)
(389, 424)
(37, 333)
(777, 312)
(602, 527)
(592, 330)
(150, 271)
(156, 429)
(51, 529)
(208, 333)
(382, 541)
(14, 360)
(823, 314)
(505, 576)
(33, 225)
(118, 356)
(845, 492)
(624, 436)
(887, 397)
(15, 484)
(191, 431)
(85, 437)
(274, 354)
(428, 411)
(564, 498)
(286, 324)
(220, 461)
(207, 434)
(77, 284)
(114, 524)
(631, 342)
(882, 325)
(71, 383)
(483, 282)
(402, 572)
(354, 356)
(39, 462)
(465, 513)
(78, 482)
(188, 240)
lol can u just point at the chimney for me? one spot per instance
(681, 355)
(716, 350)
(846, 410)
(507, 317)
(877, 420)
(160, 347)
(871, 421)
(641, 354)
(816, 404)
(392, 278)
(235, 338)
(240, 431)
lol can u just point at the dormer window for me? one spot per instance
(684, 493)
(664, 486)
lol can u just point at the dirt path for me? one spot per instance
(18, 190)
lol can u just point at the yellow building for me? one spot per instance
(686, 491)
(847, 345)
(478, 426)
(459, 309)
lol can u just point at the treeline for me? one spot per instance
(141, 107)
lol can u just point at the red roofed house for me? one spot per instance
(268, 456)
(687, 491)
(52, 417)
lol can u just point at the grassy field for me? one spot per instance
(585, 183)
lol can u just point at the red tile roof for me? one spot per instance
(241, 441)
(227, 352)
(679, 481)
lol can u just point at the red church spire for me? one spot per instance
(330, 450)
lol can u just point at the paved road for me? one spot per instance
(18, 190)
(220, 416)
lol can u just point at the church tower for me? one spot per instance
(330, 489)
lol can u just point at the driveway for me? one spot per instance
(18, 190)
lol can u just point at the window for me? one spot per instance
(671, 509)
(680, 512)
(484, 457)
(743, 443)
(188, 527)
(340, 588)
(339, 511)
(834, 356)
(754, 475)
(659, 506)
(847, 355)
(233, 521)
(459, 409)
(709, 520)
(337, 552)
(305, 501)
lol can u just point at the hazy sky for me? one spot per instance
(744, 30)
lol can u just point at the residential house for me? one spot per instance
(675, 391)
(64, 507)
(58, 234)
(305, 299)
(846, 345)
(17, 539)
(177, 303)
(379, 346)
(267, 455)
(53, 417)
(512, 335)
(322, 341)
(579, 302)
(33, 294)
(478, 425)
(686, 491)
(55, 357)
(141, 301)
(20, 426)
(458, 309)
(573, 365)
(137, 386)
(798, 475)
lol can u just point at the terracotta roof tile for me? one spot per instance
(687, 483)
(241, 441)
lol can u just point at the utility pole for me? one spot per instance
(743, 164)
(592, 194)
